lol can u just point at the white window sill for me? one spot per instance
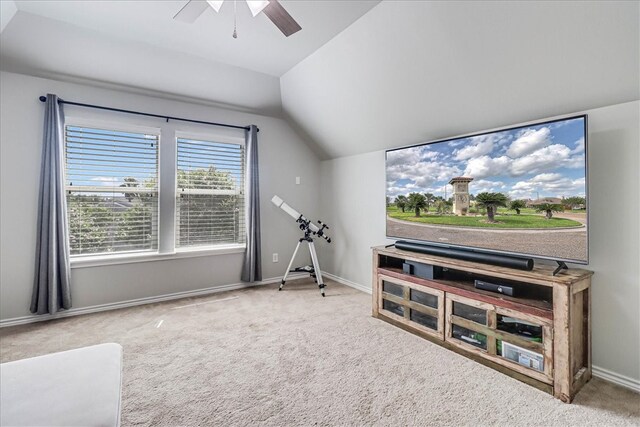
(128, 258)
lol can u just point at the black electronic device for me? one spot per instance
(527, 330)
(495, 287)
(424, 271)
(510, 261)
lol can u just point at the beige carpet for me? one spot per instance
(292, 358)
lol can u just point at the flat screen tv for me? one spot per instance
(519, 190)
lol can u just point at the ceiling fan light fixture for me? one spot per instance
(215, 4)
(257, 6)
(192, 9)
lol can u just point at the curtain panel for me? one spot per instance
(252, 265)
(51, 288)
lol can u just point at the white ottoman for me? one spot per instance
(72, 388)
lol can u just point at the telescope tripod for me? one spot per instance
(313, 270)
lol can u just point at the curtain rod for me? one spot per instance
(139, 113)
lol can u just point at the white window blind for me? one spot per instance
(112, 190)
(210, 193)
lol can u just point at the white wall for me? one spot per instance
(354, 197)
(283, 156)
(424, 70)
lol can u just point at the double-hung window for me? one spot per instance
(209, 193)
(116, 205)
(112, 190)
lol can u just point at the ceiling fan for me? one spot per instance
(274, 11)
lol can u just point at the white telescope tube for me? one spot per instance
(292, 212)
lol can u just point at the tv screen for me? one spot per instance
(519, 190)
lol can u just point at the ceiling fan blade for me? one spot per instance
(281, 18)
(190, 11)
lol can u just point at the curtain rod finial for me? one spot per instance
(42, 98)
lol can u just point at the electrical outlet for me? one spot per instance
(297, 180)
(275, 257)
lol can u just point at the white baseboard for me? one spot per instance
(140, 301)
(612, 377)
(349, 283)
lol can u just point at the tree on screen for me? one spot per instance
(417, 202)
(516, 205)
(430, 199)
(575, 202)
(401, 202)
(491, 201)
(549, 209)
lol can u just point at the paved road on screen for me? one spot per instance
(559, 244)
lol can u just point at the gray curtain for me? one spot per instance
(252, 266)
(51, 290)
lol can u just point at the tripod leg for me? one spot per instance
(316, 267)
(286, 273)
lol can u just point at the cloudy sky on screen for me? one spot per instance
(546, 160)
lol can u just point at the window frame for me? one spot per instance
(167, 135)
(214, 138)
(107, 125)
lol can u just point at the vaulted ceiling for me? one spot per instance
(361, 75)
(409, 72)
(137, 44)
(260, 46)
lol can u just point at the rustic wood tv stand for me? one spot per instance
(541, 335)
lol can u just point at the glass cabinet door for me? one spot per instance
(468, 321)
(414, 305)
(423, 299)
(391, 304)
(510, 338)
(524, 341)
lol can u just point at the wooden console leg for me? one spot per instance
(561, 344)
(374, 292)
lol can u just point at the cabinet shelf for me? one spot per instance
(465, 287)
(541, 336)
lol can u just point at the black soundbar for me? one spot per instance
(518, 263)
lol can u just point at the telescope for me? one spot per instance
(300, 219)
(310, 230)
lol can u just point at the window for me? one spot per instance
(112, 190)
(118, 206)
(209, 193)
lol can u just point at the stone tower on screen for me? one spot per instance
(460, 194)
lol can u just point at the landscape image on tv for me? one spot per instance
(519, 190)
